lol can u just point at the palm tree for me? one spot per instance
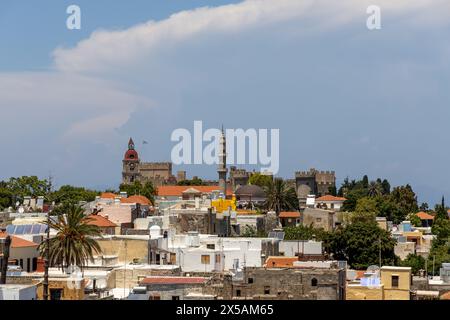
(73, 244)
(374, 189)
(280, 196)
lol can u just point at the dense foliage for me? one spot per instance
(377, 196)
(261, 180)
(280, 196)
(137, 188)
(362, 244)
(73, 244)
(193, 182)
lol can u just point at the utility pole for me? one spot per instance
(46, 258)
(434, 259)
(379, 250)
(4, 270)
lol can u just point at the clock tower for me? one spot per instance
(130, 170)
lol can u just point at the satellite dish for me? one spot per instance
(17, 203)
(21, 210)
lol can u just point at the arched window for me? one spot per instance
(313, 282)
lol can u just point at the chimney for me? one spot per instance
(40, 265)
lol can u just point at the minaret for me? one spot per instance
(222, 168)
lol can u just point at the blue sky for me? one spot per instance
(344, 98)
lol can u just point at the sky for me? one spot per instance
(344, 97)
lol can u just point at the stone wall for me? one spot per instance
(286, 284)
(131, 277)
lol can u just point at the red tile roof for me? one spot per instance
(279, 262)
(136, 199)
(177, 191)
(330, 198)
(17, 242)
(424, 216)
(173, 280)
(108, 195)
(289, 214)
(99, 221)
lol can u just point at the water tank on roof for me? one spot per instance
(155, 231)
(193, 239)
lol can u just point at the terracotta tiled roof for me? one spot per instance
(279, 262)
(108, 195)
(360, 274)
(177, 191)
(17, 242)
(100, 221)
(424, 216)
(173, 280)
(136, 199)
(289, 214)
(330, 198)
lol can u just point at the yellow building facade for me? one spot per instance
(395, 284)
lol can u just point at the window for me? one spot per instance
(250, 280)
(238, 293)
(56, 294)
(175, 297)
(21, 263)
(313, 282)
(210, 246)
(28, 264)
(154, 297)
(266, 290)
(34, 266)
(394, 281)
(217, 258)
(205, 259)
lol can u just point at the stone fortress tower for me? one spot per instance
(159, 173)
(314, 182)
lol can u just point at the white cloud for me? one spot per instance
(111, 49)
(87, 107)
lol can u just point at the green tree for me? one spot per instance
(360, 243)
(441, 210)
(414, 261)
(424, 207)
(365, 182)
(365, 211)
(441, 228)
(137, 188)
(28, 186)
(374, 189)
(259, 179)
(405, 200)
(352, 198)
(305, 233)
(6, 197)
(386, 187)
(194, 182)
(280, 196)
(71, 194)
(74, 243)
(439, 254)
